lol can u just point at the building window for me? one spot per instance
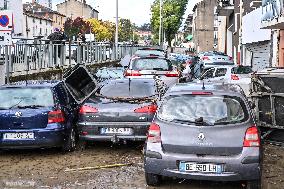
(33, 30)
(33, 20)
(40, 31)
(56, 19)
(40, 21)
(46, 31)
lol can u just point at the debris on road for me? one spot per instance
(99, 167)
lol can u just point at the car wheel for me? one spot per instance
(255, 184)
(152, 179)
(70, 142)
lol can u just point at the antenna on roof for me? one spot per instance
(203, 86)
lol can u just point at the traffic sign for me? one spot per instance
(5, 38)
(6, 20)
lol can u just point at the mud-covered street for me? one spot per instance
(49, 169)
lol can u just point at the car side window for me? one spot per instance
(221, 72)
(208, 74)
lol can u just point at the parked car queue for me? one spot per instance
(202, 131)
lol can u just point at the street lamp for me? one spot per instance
(160, 29)
(116, 28)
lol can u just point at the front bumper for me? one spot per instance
(240, 167)
(43, 138)
(90, 131)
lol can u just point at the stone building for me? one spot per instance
(77, 8)
(40, 11)
(203, 25)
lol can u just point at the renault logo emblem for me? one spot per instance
(201, 136)
(18, 114)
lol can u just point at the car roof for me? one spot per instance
(32, 83)
(212, 87)
(132, 80)
(152, 49)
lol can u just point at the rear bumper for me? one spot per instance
(236, 168)
(91, 131)
(43, 138)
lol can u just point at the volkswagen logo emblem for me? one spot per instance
(18, 114)
(201, 136)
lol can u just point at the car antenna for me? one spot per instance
(203, 86)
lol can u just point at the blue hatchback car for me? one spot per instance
(37, 114)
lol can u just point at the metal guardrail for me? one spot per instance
(31, 56)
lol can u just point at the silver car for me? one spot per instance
(153, 67)
(204, 132)
(213, 58)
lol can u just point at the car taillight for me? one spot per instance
(172, 74)
(235, 77)
(205, 58)
(132, 73)
(56, 116)
(154, 133)
(252, 138)
(189, 62)
(151, 109)
(87, 109)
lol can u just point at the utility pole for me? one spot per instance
(116, 29)
(160, 29)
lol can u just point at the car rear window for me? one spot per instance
(149, 52)
(128, 90)
(214, 110)
(151, 64)
(13, 97)
(242, 70)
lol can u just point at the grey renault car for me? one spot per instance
(204, 132)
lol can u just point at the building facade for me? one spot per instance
(203, 25)
(77, 8)
(36, 27)
(37, 9)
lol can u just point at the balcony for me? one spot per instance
(272, 16)
(225, 7)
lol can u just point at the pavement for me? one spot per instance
(48, 168)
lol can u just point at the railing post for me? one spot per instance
(7, 64)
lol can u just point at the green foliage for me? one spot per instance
(172, 13)
(74, 27)
(125, 30)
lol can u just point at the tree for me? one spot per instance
(125, 31)
(145, 27)
(101, 31)
(172, 13)
(74, 27)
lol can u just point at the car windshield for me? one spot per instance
(151, 64)
(212, 109)
(130, 89)
(21, 97)
(149, 52)
(242, 70)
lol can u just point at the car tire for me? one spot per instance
(70, 142)
(255, 184)
(152, 179)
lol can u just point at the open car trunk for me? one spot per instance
(80, 83)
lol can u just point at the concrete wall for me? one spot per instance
(203, 29)
(222, 33)
(75, 8)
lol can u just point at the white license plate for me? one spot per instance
(123, 131)
(198, 167)
(17, 136)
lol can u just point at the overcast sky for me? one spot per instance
(138, 11)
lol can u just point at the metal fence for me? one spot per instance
(31, 56)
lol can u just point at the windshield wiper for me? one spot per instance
(30, 106)
(15, 104)
(196, 122)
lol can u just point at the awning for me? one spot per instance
(189, 37)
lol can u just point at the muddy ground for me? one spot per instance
(47, 169)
